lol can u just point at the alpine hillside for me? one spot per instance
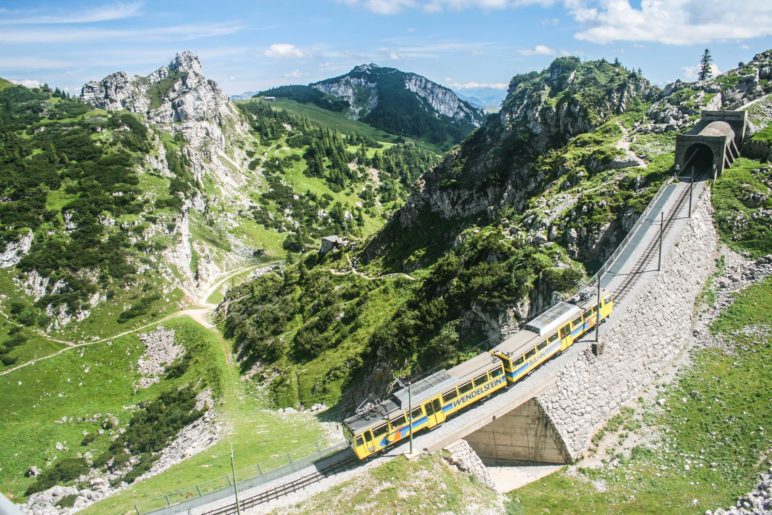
(402, 103)
(125, 212)
(514, 217)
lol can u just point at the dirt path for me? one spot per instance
(200, 313)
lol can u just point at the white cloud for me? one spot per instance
(537, 50)
(294, 74)
(117, 11)
(477, 85)
(433, 6)
(28, 83)
(167, 33)
(690, 72)
(675, 22)
(33, 63)
(283, 51)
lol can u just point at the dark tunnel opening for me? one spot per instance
(699, 156)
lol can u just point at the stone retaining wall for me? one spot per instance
(641, 339)
(463, 456)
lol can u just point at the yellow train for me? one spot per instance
(437, 397)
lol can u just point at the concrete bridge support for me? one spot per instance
(524, 434)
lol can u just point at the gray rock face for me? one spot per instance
(442, 100)
(756, 502)
(361, 94)
(360, 88)
(16, 250)
(177, 92)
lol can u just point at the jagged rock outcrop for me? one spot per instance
(179, 99)
(363, 86)
(494, 168)
(15, 250)
(681, 102)
(403, 103)
(178, 92)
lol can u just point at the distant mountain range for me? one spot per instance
(389, 99)
(485, 98)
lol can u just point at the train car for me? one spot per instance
(552, 332)
(432, 400)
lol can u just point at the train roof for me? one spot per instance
(553, 318)
(472, 368)
(518, 342)
(425, 388)
(420, 391)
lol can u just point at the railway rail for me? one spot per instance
(626, 287)
(350, 462)
(287, 488)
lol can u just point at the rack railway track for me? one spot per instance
(287, 488)
(650, 250)
(348, 463)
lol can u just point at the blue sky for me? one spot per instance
(252, 45)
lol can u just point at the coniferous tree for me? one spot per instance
(706, 71)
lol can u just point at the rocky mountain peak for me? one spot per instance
(177, 92)
(186, 61)
(365, 68)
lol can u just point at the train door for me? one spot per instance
(434, 412)
(369, 444)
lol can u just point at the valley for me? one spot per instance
(183, 276)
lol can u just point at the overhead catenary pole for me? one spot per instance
(410, 413)
(661, 228)
(691, 187)
(235, 490)
(597, 317)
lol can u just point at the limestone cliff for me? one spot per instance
(180, 101)
(404, 103)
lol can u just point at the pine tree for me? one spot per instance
(706, 71)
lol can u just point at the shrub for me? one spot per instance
(63, 471)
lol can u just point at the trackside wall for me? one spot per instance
(642, 338)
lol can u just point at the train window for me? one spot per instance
(465, 387)
(564, 331)
(380, 430)
(481, 380)
(497, 372)
(449, 396)
(541, 345)
(593, 310)
(417, 413)
(359, 441)
(399, 421)
(576, 322)
(518, 361)
(530, 353)
(368, 436)
(553, 337)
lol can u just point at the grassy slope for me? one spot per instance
(257, 435)
(339, 122)
(713, 433)
(5, 84)
(425, 485)
(736, 198)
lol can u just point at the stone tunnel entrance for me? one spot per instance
(712, 145)
(524, 434)
(701, 157)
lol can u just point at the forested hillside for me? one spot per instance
(518, 214)
(404, 104)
